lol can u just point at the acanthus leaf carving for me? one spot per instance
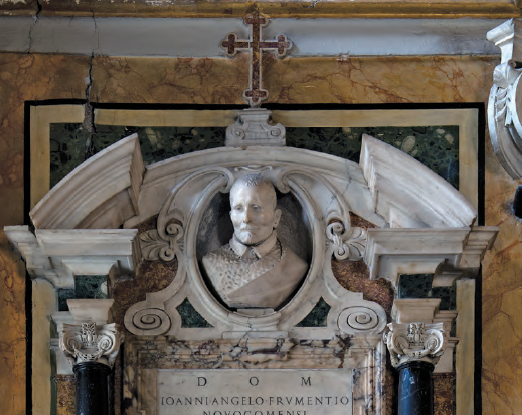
(91, 343)
(348, 243)
(156, 247)
(415, 342)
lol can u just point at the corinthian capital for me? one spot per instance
(91, 343)
(415, 342)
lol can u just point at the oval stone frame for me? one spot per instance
(216, 230)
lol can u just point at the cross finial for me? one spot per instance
(255, 94)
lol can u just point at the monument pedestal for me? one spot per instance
(165, 376)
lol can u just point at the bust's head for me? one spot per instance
(253, 210)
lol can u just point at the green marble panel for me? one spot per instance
(71, 144)
(316, 317)
(420, 286)
(437, 147)
(190, 317)
(90, 286)
(63, 294)
(68, 149)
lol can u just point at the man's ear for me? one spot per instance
(278, 213)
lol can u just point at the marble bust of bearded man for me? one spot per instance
(255, 269)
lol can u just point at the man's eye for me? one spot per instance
(256, 207)
(238, 208)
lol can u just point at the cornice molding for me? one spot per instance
(58, 254)
(449, 253)
(114, 174)
(489, 9)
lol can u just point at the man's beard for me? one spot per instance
(247, 237)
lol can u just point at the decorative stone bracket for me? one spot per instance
(252, 128)
(505, 105)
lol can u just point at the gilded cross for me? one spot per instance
(255, 95)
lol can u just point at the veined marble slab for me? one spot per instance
(255, 392)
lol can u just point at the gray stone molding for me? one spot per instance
(114, 176)
(199, 37)
(450, 253)
(408, 194)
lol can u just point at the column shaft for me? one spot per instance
(415, 393)
(92, 390)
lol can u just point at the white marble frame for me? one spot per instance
(387, 118)
(369, 190)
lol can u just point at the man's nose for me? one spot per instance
(247, 215)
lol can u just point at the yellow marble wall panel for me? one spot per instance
(65, 394)
(294, 80)
(170, 80)
(12, 327)
(26, 77)
(502, 297)
(443, 391)
(379, 80)
(23, 77)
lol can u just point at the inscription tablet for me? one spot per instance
(255, 392)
